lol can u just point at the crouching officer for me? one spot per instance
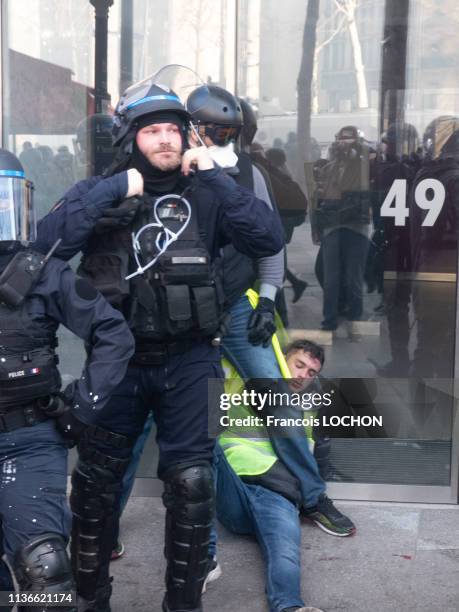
(160, 270)
(37, 421)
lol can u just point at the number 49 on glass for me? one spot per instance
(394, 204)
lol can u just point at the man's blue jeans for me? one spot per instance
(344, 255)
(250, 361)
(254, 510)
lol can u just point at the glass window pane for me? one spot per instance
(348, 96)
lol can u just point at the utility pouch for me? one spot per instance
(178, 302)
(20, 276)
(184, 266)
(106, 272)
(207, 311)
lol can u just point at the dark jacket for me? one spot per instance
(60, 297)
(227, 213)
(434, 247)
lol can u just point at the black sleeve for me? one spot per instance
(74, 216)
(72, 301)
(244, 220)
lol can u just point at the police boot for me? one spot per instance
(42, 567)
(101, 603)
(96, 488)
(189, 501)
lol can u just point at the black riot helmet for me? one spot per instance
(451, 146)
(142, 99)
(250, 123)
(437, 133)
(401, 139)
(216, 112)
(17, 214)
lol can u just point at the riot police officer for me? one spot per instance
(37, 294)
(155, 259)
(219, 119)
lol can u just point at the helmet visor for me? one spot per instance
(180, 79)
(176, 80)
(222, 135)
(17, 214)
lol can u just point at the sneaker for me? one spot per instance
(214, 571)
(118, 552)
(328, 518)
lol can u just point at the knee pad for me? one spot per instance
(43, 566)
(189, 492)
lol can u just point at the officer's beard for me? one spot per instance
(157, 179)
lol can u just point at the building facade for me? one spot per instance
(309, 69)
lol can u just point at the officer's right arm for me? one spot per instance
(74, 216)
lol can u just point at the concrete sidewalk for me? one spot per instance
(403, 557)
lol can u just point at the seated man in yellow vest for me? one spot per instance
(257, 494)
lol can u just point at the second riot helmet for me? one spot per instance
(250, 123)
(217, 113)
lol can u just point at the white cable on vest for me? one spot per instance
(165, 235)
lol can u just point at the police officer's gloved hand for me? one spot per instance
(119, 217)
(69, 426)
(261, 324)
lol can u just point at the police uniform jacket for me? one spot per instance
(60, 297)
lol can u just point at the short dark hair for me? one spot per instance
(276, 156)
(307, 347)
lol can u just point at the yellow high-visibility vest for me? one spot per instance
(248, 449)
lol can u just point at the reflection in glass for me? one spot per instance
(346, 93)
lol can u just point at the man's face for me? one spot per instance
(303, 368)
(161, 143)
(194, 140)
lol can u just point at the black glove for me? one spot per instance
(119, 217)
(70, 427)
(261, 324)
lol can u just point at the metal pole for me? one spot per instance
(4, 67)
(236, 50)
(102, 98)
(393, 69)
(127, 40)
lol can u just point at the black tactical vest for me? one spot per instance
(28, 364)
(180, 297)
